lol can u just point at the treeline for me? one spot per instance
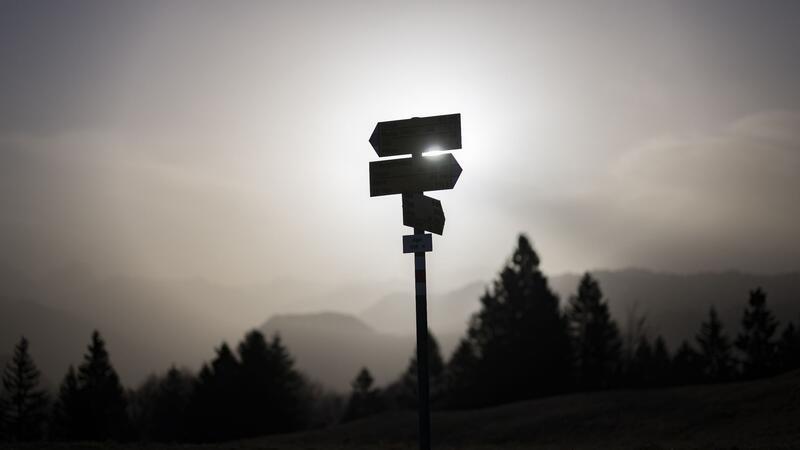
(521, 344)
(250, 392)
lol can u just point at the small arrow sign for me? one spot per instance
(421, 211)
(410, 175)
(414, 243)
(412, 136)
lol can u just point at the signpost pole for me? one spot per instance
(411, 177)
(422, 349)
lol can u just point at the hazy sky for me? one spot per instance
(228, 140)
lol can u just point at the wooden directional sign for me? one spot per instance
(409, 175)
(421, 211)
(412, 136)
(414, 243)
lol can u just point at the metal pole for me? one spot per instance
(422, 349)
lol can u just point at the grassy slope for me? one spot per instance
(764, 413)
(760, 414)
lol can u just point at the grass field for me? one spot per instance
(762, 414)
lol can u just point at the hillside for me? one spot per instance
(758, 414)
(761, 414)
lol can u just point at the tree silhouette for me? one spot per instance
(408, 395)
(68, 410)
(215, 398)
(639, 372)
(715, 350)
(159, 408)
(519, 335)
(687, 366)
(595, 337)
(460, 375)
(25, 403)
(92, 404)
(103, 394)
(789, 348)
(364, 400)
(660, 369)
(269, 378)
(257, 393)
(756, 340)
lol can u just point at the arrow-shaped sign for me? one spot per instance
(410, 175)
(421, 211)
(417, 135)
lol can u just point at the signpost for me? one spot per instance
(411, 177)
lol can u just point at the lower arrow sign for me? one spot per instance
(417, 174)
(421, 211)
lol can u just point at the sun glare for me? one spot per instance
(434, 150)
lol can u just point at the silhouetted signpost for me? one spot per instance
(411, 177)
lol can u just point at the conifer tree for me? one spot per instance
(715, 350)
(789, 348)
(460, 375)
(102, 395)
(686, 365)
(364, 400)
(166, 403)
(215, 398)
(756, 341)
(595, 337)
(639, 369)
(268, 377)
(68, 410)
(519, 335)
(408, 382)
(661, 364)
(25, 402)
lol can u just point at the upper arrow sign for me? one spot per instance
(417, 135)
(417, 174)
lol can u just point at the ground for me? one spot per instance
(763, 414)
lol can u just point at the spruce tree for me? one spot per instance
(268, 377)
(409, 396)
(460, 375)
(715, 350)
(687, 368)
(290, 389)
(661, 364)
(91, 405)
(756, 341)
(640, 368)
(789, 348)
(364, 399)
(519, 335)
(214, 404)
(169, 407)
(595, 337)
(25, 402)
(102, 393)
(69, 409)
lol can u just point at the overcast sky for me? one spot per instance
(228, 140)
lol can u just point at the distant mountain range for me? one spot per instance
(150, 325)
(675, 304)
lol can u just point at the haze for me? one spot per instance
(228, 141)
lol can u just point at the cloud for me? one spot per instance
(722, 200)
